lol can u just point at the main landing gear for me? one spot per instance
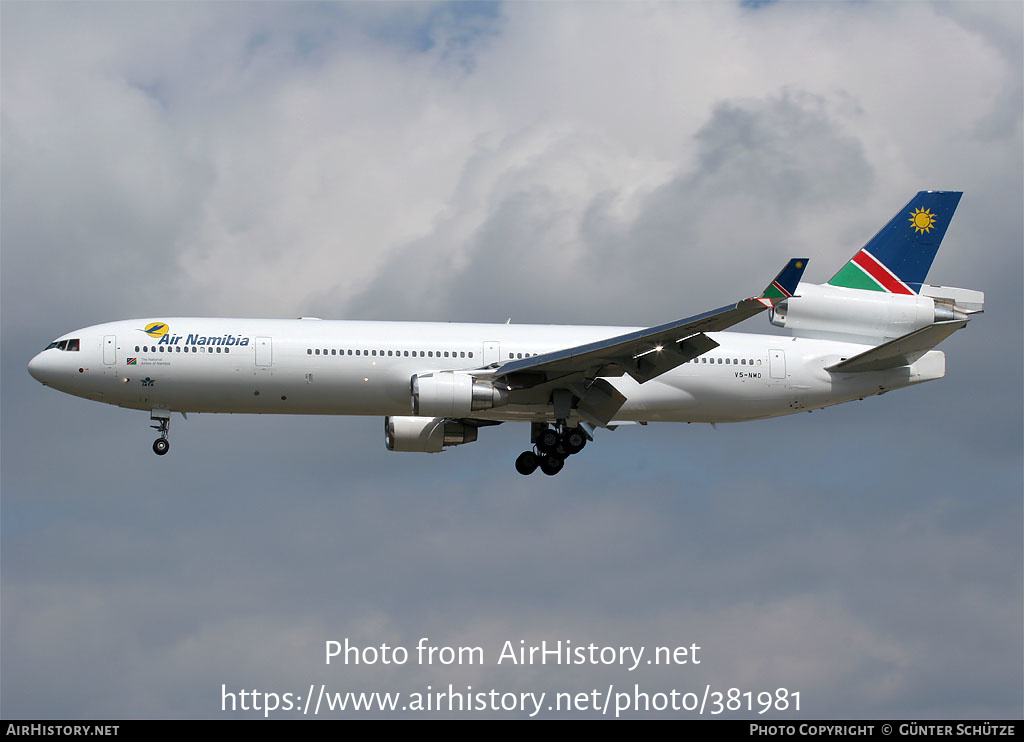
(163, 426)
(552, 446)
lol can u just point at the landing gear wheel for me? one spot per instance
(574, 439)
(161, 446)
(527, 463)
(547, 440)
(551, 464)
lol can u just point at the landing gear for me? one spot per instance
(162, 418)
(574, 439)
(552, 447)
(551, 464)
(527, 463)
(547, 440)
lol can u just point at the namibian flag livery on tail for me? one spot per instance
(897, 259)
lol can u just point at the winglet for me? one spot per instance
(785, 283)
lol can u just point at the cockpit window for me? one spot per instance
(72, 344)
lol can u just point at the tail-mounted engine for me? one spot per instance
(426, 434)
(829, 311)
(451, 394)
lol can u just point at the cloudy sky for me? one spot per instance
(561, 162)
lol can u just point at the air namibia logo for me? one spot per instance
(156, 329)
(922, 220)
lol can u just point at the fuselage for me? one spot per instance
(311, 366)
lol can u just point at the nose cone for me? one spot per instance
(38, 368)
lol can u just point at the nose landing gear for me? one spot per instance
(163, 426)
(552, 446)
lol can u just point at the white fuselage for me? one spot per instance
(313, 366)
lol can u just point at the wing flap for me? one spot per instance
(899, 352)
(600, 403)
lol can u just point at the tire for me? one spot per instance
(527, 463)
(161, 446)
(547, 440)
(574, 439)
(551, 464)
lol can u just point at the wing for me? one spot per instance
(644, 354)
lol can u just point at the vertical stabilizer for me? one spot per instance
(897, 259)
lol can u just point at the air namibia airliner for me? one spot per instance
(870, 329)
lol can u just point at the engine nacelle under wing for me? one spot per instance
(452, 394)
(828, 311)
(426, 434)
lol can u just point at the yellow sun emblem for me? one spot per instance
(922, 220)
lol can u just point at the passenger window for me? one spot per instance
(136, 349)
(406, 354)
(218, 349)
(309, 351)
(462, 354)
(727, 361)
(318, 351)
(470, 354)
(430, 353)
(350, 352)
(334, 351)
(357, 352)
(743, 361)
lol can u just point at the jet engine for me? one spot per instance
(451, 394)
(831, 311)
(425, 434)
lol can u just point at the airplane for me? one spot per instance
(868, 330)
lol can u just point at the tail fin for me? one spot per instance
(897, 259)
(785, 283)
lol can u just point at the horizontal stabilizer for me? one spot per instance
(899, 352)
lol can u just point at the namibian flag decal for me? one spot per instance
(132, 361)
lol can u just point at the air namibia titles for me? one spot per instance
(193, 339)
